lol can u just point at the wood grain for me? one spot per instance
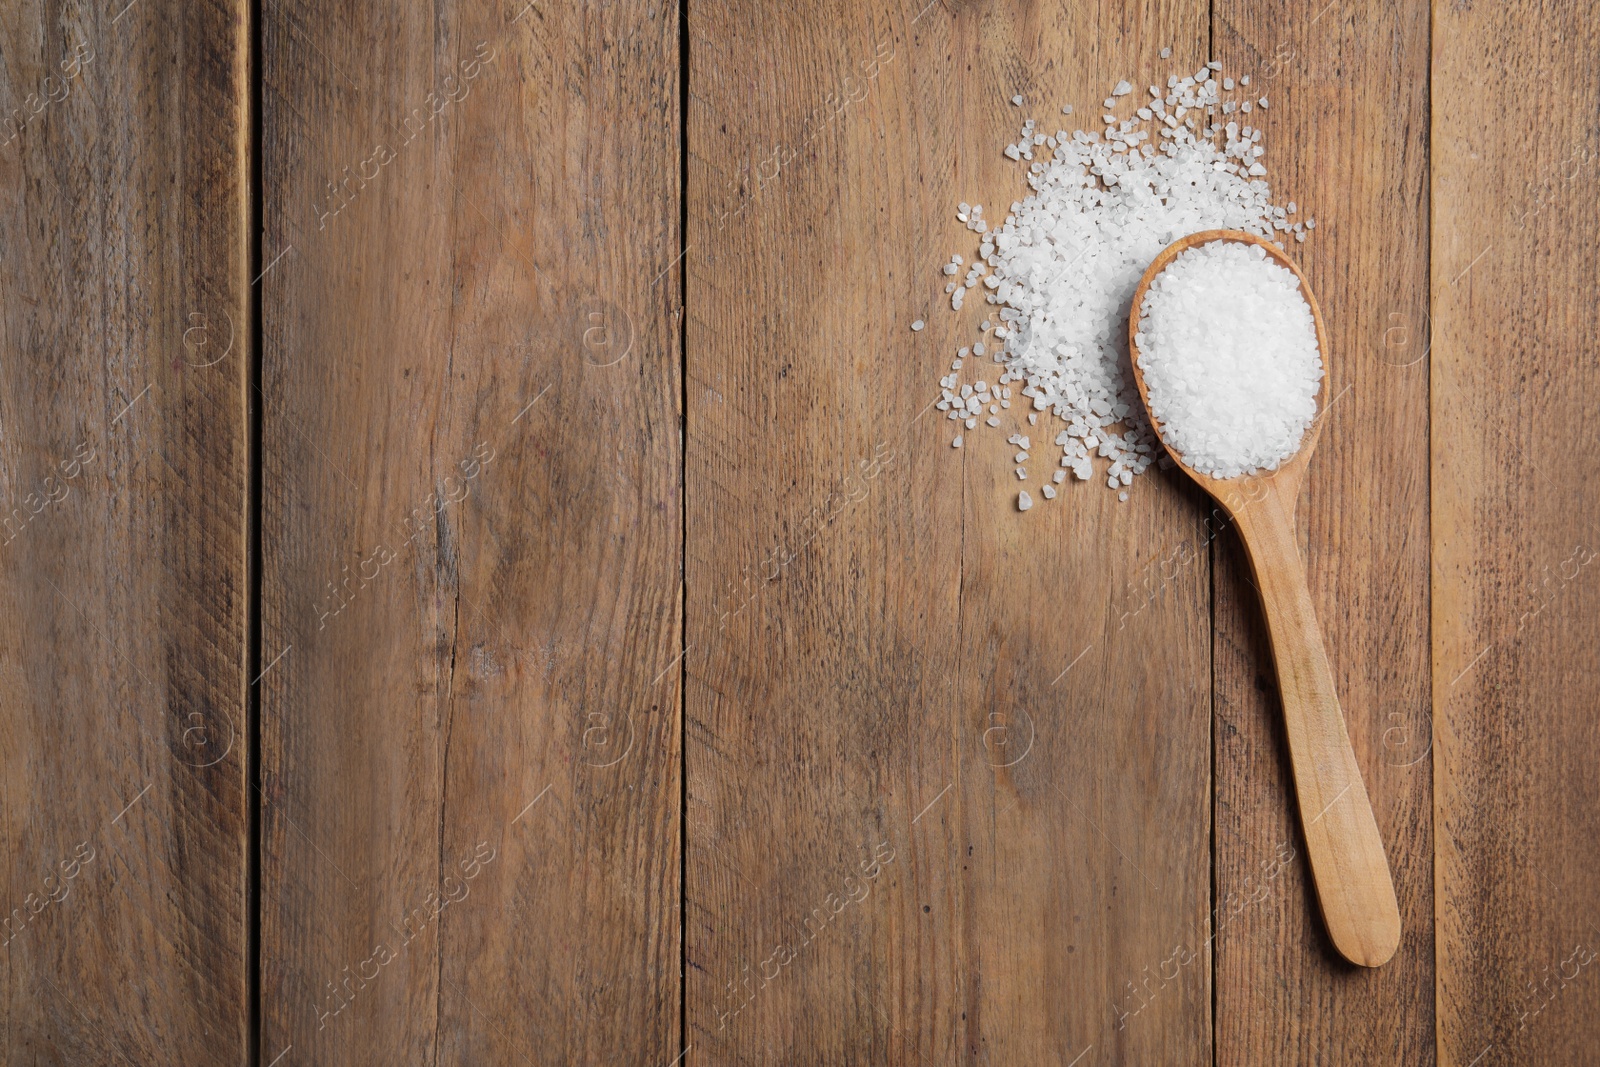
(963, 784)
(1346, 139)
(947, 765)
(124, 354)
(472, 535)
(1515, 526)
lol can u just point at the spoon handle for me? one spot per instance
(1342, 840)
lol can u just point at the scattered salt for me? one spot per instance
(1058, 268)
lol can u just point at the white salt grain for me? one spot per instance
(1024, 501)
(1058, 268)
(918, 325)
(1229, 354)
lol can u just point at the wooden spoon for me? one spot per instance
(1347, 860)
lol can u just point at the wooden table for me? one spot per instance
(479, 589)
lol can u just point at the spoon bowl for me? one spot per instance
(1354, 887)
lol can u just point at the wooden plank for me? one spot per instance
(1346, 140)
(125, 327)
(1516, 625)
(472, 534)
(921, 828)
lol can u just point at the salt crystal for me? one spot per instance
(1062, 265)
(1228, 350)
(918, 325)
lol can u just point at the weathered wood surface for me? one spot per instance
(1347, 140)
(471, 535)
(124, 356)
(952, 795)
(948, 789)
(1515, 457)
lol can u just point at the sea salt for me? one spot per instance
(1228, 350)
(1059, 268)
